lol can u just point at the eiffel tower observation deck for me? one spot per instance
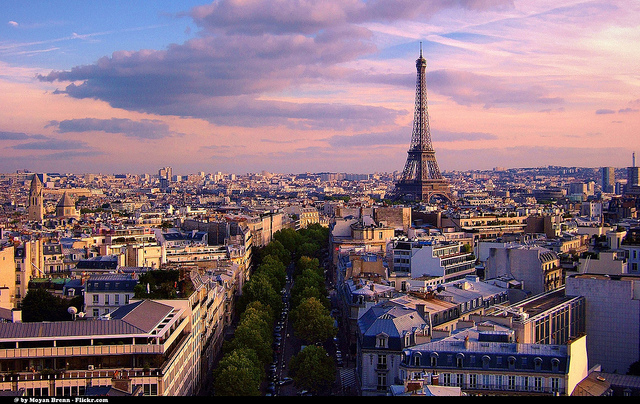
(421, 179)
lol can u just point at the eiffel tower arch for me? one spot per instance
(421, 180)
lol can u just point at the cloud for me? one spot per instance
(467, 88)
(247, 49)
(403, 137)
(19, 136)
(627, 110)
(144, 129)
(605, 111)
(52, 144)
(12, 23)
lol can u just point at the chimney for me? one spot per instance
(420, 309)
(121, 382)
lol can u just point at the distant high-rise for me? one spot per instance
(421, 179)
(608, 179)
(633, 179)
(35, 211)
(166, 172)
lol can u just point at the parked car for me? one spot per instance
(285, 380)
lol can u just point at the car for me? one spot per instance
(271, 388)
(285, 380)
(278, 328)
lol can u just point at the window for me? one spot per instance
(538, 384)
(555, 384)
(460, 380)
(538, 363)
(96, 299)
(486, 381)
(525, 383)
(106, 299)
(446, 379)
(511, 382)
(382, 381)
(381, 341)
(116, 299)
(459, 360)
(416, 360)
(382, 361)
(485, 361)
(473, 381)
(96, 313)
(434, 360)
(126, 299)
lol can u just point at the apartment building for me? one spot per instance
(164, 347)
(612, 318)
(104, 294)
(538, 268)
(446, 260)
(491, 363)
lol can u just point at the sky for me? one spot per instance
(294, 86)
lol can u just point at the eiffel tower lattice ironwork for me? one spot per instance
(421, 179)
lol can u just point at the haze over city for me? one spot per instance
(297, 86)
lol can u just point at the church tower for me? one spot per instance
(35, 211)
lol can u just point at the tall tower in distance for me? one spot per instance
(421, 179)
(35, 211)
(633, 174)
(608, 179)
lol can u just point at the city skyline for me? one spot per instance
(290, 87)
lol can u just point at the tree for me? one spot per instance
(276, 249)
(247, 336)
(40, 305)
(260, 288)
(634, 369)
(312, 369)
(312, 321)
(289, 238)
(276, 269)
(238, 374)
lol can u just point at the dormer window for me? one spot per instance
(382, 341)
(555, 364)
(485, 361)
(538, 363)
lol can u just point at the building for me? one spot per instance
(446, 260)
(66, 208)
(631, 245)
(104, 294)
(358, 234)
(35, 209)
(538, 268)
(612, 318)
(491, 363)
(163, 347)
(608, 179)
(383, 333)
(548, 318)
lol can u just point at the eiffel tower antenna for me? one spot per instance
(421, 179)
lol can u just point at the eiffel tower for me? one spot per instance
(421, 179)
